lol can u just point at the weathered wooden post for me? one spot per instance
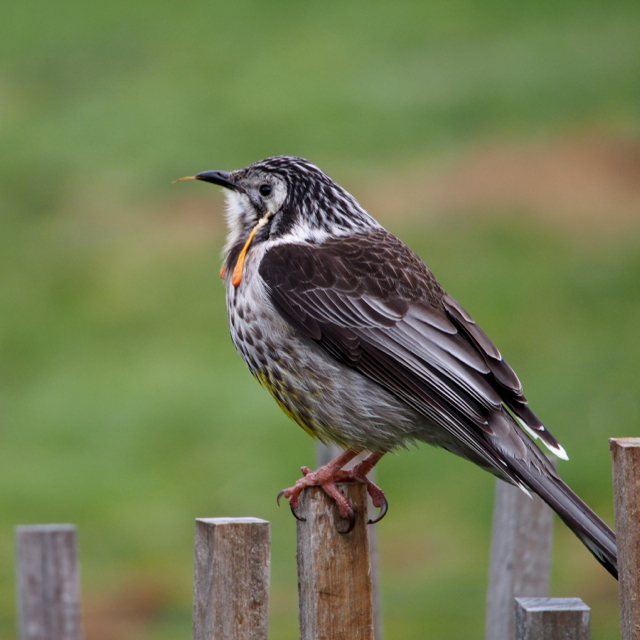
(326, 453)
(551, 619)
(625, 453)
(48, 583)
(231, 582)
(521, 544)
(334, 573)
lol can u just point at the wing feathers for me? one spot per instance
(295, 315)
(503, 373)
(422, 348)
(429, 315)
(458, 398)
(396, 378)
(454, 344)
(357, 297)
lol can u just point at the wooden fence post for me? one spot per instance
(334, 573)
(625, 453)
(326, 453)
(551, 619)
(48, 583)
(231, 582)
(521, 544)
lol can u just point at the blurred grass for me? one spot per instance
(124, 408)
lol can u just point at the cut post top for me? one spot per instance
(223, 521)
(624, 442)
(44, 528)
(552, 604)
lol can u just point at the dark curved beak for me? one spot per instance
(218, 177)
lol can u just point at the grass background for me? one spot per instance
(123, 406)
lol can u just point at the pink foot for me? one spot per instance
(328, 475)
(359, 474)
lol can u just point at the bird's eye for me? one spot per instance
(265, 190)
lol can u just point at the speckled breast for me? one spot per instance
(271, 349)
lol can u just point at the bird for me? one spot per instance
(359, 344)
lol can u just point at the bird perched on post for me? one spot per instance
(360, 345)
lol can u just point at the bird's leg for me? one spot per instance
(324, 477)
(359, 474)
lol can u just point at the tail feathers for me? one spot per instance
(590, 529)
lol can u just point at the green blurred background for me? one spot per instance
(498, 138)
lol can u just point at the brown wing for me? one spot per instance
(374, 305)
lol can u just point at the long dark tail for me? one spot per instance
(585, 523)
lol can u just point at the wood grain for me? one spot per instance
(334, 572)
(521, 542)
(48, 583)
(231, 582)
(552, 619)
(625, 454)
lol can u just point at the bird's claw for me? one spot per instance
(351, 521)
(291, 506)
(295, 514)
(384, 507)
(379, 500)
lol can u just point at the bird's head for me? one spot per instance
(286, 198)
